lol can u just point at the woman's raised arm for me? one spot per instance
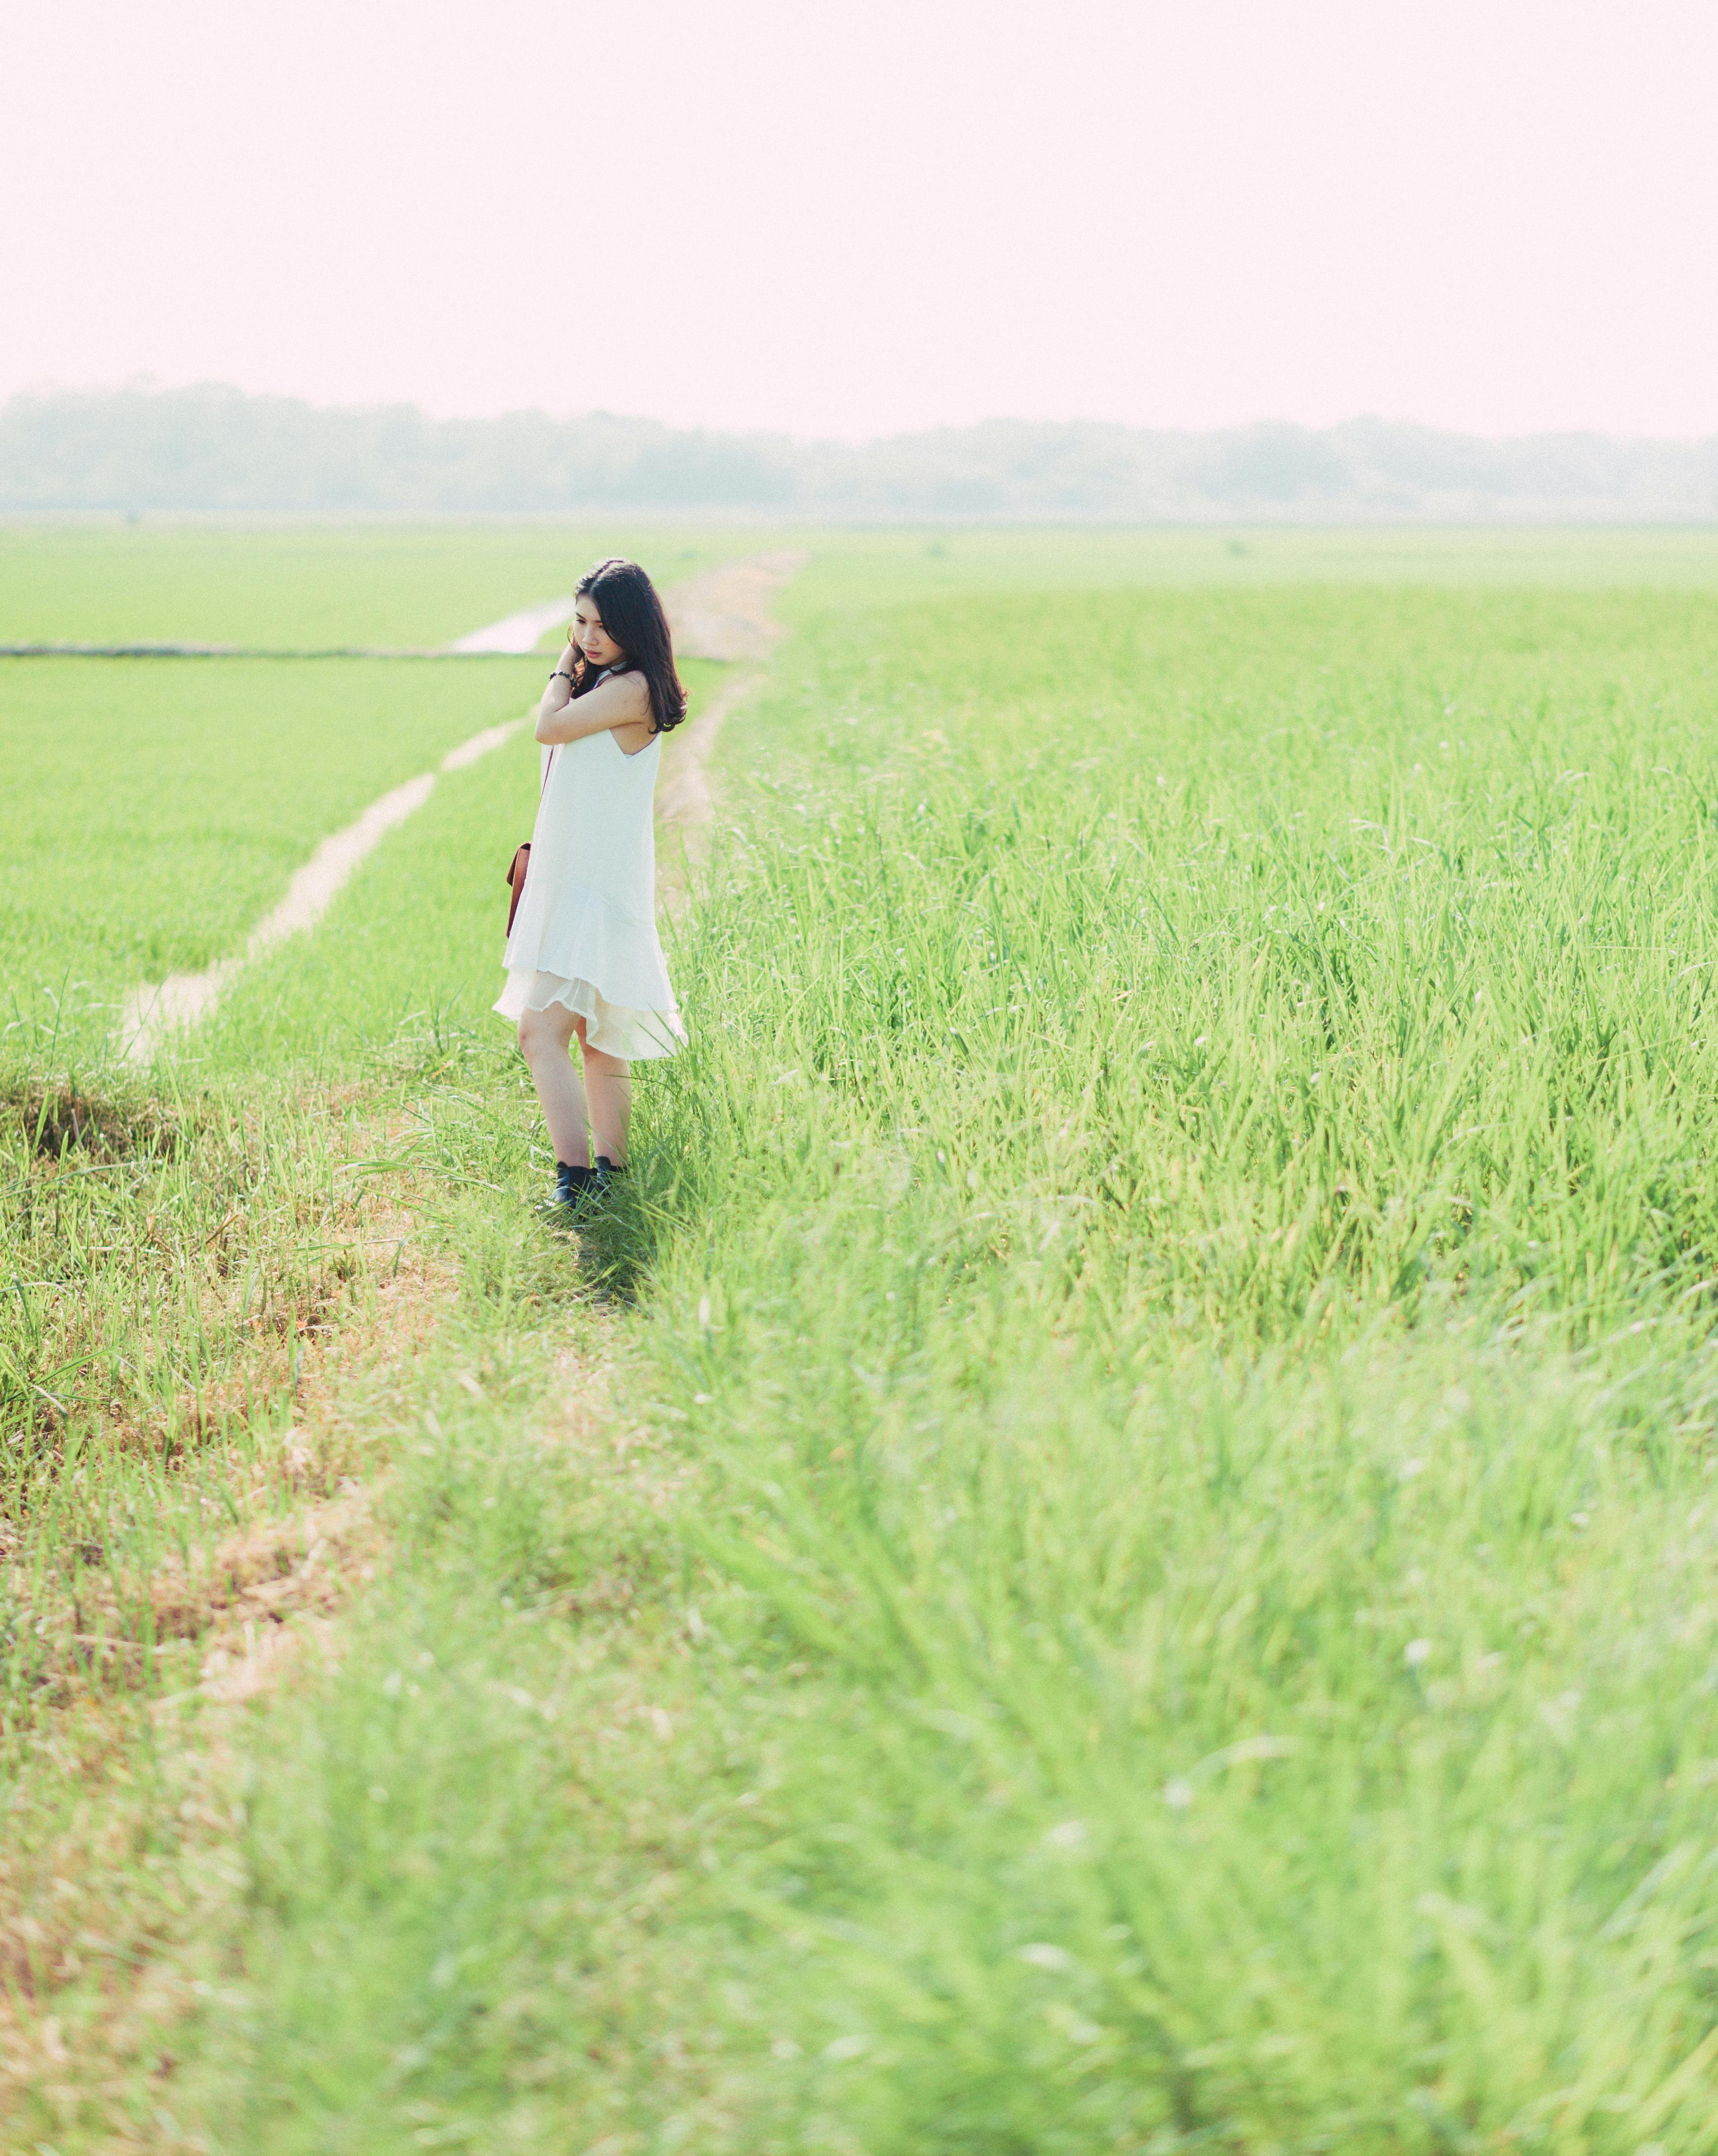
(623, 700)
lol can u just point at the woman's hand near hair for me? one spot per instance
(557, 693)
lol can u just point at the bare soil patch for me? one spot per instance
(63, 1119)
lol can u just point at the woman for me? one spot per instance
(582, 958)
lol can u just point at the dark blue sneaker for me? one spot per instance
(574, 1187)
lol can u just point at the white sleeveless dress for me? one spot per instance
(585, 933)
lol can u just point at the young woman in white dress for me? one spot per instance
(583, 961)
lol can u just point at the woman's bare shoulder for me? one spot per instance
(635, 687)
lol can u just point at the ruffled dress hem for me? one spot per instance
(637, 1036)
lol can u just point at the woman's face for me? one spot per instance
(598, 645)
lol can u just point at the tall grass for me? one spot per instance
(1215, 1353)
(1173, 1608)
(1290, 976)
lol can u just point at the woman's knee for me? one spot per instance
(539, 1035)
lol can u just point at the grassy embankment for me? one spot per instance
(1150, 1583)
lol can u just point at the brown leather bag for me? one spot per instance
(515, 881)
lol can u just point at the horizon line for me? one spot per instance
(150, 386)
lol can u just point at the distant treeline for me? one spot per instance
(212, 447)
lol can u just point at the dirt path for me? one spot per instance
(520, 632)
(514, 633)
(723, 614)
(728, 614)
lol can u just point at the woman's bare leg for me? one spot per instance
(609, 1085)
(546, 1038)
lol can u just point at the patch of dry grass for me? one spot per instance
(121, 1873)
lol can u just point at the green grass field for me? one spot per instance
(1111, 1550)
(307, 585)
(159, 807)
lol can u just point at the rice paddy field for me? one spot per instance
(1113, 1547)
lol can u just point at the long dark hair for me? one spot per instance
(632, 616)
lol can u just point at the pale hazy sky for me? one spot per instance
(842, 218)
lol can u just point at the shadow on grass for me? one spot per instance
(620, 1237)
(59, 1117)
